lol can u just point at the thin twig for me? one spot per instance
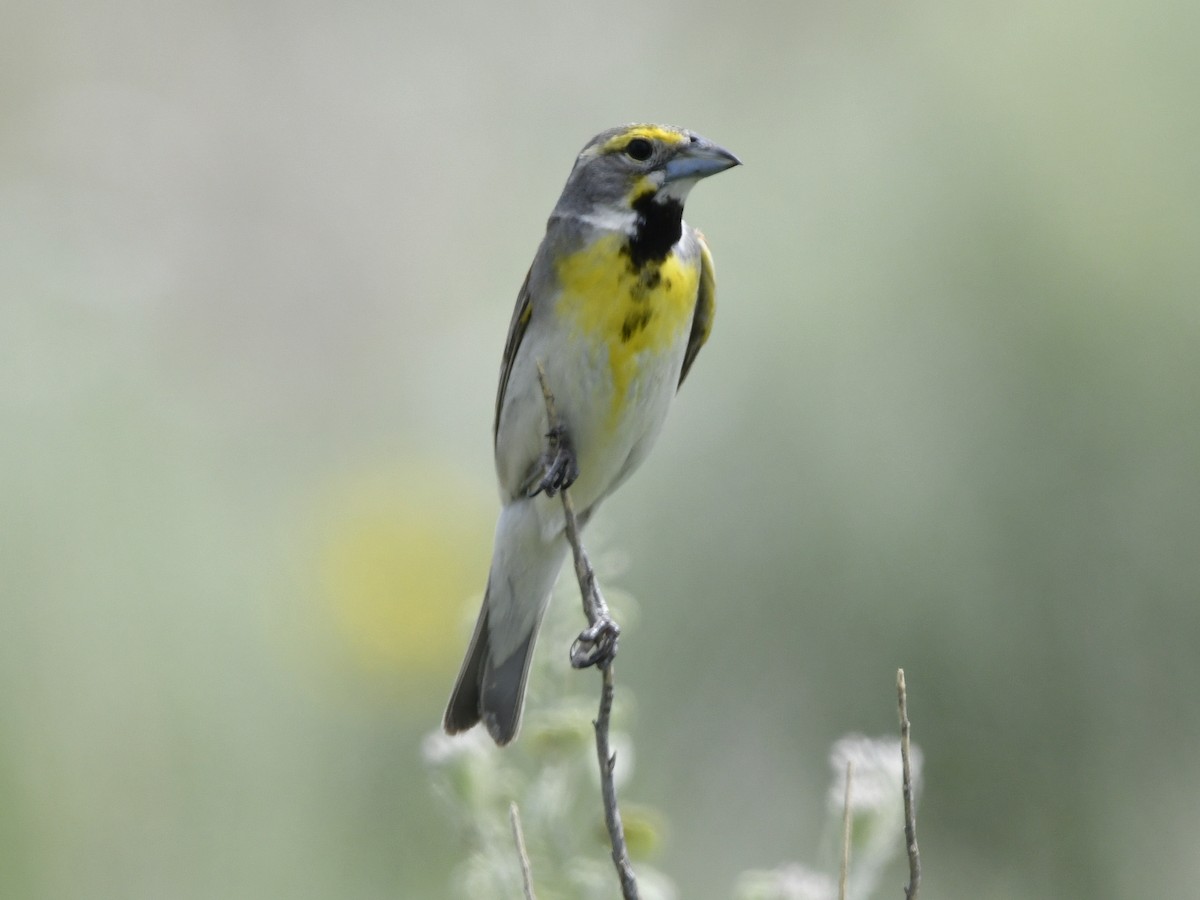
(847, 819)
(594, 606)
(601, 628)
(910, 815)
(608, 790)
(514, 818)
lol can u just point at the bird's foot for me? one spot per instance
(596, 644)
(558, 465)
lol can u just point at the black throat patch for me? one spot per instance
(659, 226)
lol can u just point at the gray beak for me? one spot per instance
(699, 159)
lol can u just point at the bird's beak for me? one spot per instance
(699, 159)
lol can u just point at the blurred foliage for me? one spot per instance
(256, 267)
(876, 810)
(550, 772)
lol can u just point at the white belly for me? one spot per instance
(610, 436)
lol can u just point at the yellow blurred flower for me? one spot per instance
(401, 553)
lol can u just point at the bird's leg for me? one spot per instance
(558, 465)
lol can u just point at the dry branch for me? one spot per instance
(596, 645)
(910, 815)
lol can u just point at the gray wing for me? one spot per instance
(516, 331)
(706, 308)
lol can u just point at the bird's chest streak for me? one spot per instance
(631, 317)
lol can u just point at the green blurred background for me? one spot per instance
(257, 261)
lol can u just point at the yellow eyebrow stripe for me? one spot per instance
(649, 132)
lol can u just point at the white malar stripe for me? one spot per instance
(601, 216)
(678, 190)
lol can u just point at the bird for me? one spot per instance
(616, 305)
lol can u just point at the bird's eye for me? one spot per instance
(639, 149)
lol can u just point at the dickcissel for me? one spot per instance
(618, 302)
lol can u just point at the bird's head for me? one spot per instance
(636, 168)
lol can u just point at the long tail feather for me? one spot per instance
(491, 682)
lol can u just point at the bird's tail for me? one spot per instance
(491, 684)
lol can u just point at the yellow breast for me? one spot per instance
(631, 312)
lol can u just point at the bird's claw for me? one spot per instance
(596, 644)
(559, 466)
